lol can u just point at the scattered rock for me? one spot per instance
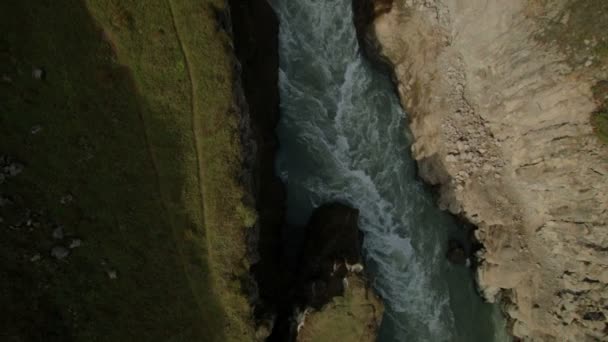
(450, 158)
(39, 74)
(35, 257)
(66, 199)
(13, 169)
(60, 252)
(112, 274)
(36, 129)
(75, 243)
(58, 233)
(456, 253)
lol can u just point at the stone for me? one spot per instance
(112, 274)
(75, 243)
(13, 169)
(58, 233)
(594, 316)
(35, 129)
(38, 74)
(35, 257)
(60, 252)
(66, 199)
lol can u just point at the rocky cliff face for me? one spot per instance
(500, 97)
(325, 296)
(255, 36)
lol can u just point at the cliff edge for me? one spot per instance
(507, 106)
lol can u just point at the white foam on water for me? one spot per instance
(331, 107)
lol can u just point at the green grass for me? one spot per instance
(140, 129)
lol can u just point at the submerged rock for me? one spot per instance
(456, 253)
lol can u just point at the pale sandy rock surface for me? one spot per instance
(500, 114)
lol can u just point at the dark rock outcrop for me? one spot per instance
(331, 255)
(255, 36)
(364, 13)
(333, 242)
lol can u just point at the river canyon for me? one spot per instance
(344, 137)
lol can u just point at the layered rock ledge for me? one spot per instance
(500, 97)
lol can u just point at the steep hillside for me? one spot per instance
(507, 104)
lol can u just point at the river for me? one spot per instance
(344, 137)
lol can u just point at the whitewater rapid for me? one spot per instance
(343, 137)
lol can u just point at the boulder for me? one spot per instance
(60, 252)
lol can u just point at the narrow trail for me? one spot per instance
(196, 127)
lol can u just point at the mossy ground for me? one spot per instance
(136, 123)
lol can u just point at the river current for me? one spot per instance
(343, 137)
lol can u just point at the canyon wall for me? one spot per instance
(500, 96)
(325, 295)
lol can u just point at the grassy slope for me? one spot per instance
(138, 128)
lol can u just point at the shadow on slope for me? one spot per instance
(71, 116)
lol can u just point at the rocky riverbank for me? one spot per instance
(503, 105)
